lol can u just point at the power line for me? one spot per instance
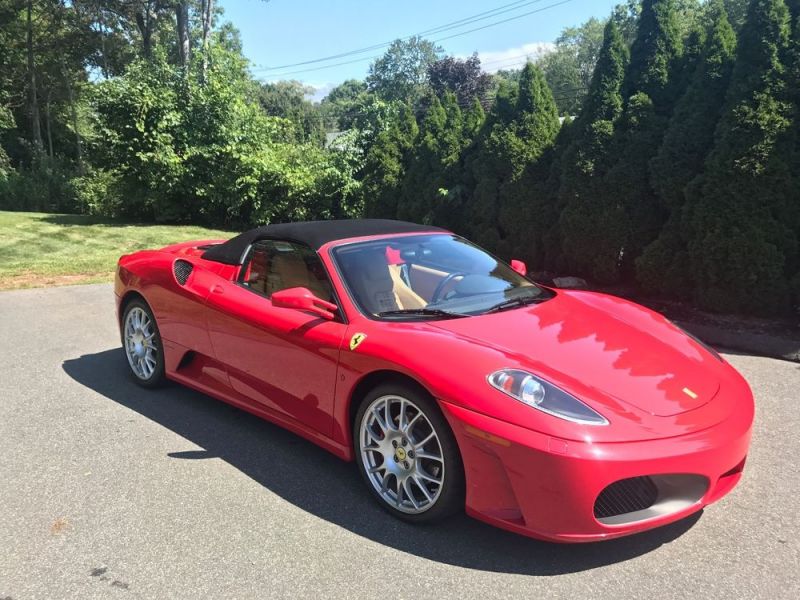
(505, 20)
(493, 24)
(445, 27)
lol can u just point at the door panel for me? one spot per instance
(283, 359)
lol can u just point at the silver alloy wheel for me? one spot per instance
(401, 454)
(140, 345)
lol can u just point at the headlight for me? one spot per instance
(541, 395)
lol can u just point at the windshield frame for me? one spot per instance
(336, 264)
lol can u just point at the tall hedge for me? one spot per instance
(689, 137)
(587, 158)
(743, 242)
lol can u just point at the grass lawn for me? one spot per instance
(38, 249)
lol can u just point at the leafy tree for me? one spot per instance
(742, 246)
(569, 67)
(586, 161)
(402, 72)
(288, 99)
(196, 149)
(464, 78)
(689, 138)
(736, 11)
(342, 103)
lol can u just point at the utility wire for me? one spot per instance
(493, 24)
(445, 27)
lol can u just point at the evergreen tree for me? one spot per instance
(437, 151)
(485, 168)
(522, 125)
(658, 45)
(385, 164)
(587, 159)
(450, 208)
(742, 246)
(525, 213)
(632, 216)
(688, 140)
(474, 118)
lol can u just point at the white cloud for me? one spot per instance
(496, 60)
(320, 90)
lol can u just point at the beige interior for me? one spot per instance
(405, 296)
(425, 280)
(289, 270)
(285, 270)
(379, 285)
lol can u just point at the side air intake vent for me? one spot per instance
(182, 269)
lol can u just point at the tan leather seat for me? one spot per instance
(379, 285)
(289, 270)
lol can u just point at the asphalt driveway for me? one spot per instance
(108, 491)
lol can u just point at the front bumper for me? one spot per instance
(545, 487)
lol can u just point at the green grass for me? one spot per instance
(39, 249)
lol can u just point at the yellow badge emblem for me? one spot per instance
(356, 340)
(688, 392)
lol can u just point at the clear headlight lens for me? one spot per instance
(542, 395)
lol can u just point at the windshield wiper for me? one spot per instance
(421, 312)
(513, 303)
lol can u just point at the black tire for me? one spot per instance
(157, 377)
(450, 499)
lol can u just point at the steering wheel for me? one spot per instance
(443, 284)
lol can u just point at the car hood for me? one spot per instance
(602, 349)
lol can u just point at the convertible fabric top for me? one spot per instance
(314, 234)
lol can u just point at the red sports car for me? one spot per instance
(451, 379)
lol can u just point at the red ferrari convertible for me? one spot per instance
(451, 379)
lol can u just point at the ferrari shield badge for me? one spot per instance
(356, 340)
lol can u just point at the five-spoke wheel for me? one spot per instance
(407, 454)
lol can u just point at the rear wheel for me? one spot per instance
(142, 344)
(408, 455)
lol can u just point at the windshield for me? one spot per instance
(430, 277)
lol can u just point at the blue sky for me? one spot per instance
(285, 32)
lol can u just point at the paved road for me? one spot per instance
(108, 491)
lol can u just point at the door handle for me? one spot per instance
(218, 289)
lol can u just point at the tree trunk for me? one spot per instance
(102, 23)
(184, 47)
(75, 127)
(144, 21)
(33, 100)
(48, 126)
(207, 10)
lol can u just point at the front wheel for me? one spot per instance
(142, 344)
(407, 454)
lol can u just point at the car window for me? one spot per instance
(274, 265)
(430, 274)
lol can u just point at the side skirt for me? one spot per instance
(230, 397)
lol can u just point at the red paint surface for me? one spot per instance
(526, 471)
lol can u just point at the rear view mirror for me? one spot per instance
(301, 298)
(520, 267)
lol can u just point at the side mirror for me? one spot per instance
(301, 298)
(520, 267)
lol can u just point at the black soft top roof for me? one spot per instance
(314, 234)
